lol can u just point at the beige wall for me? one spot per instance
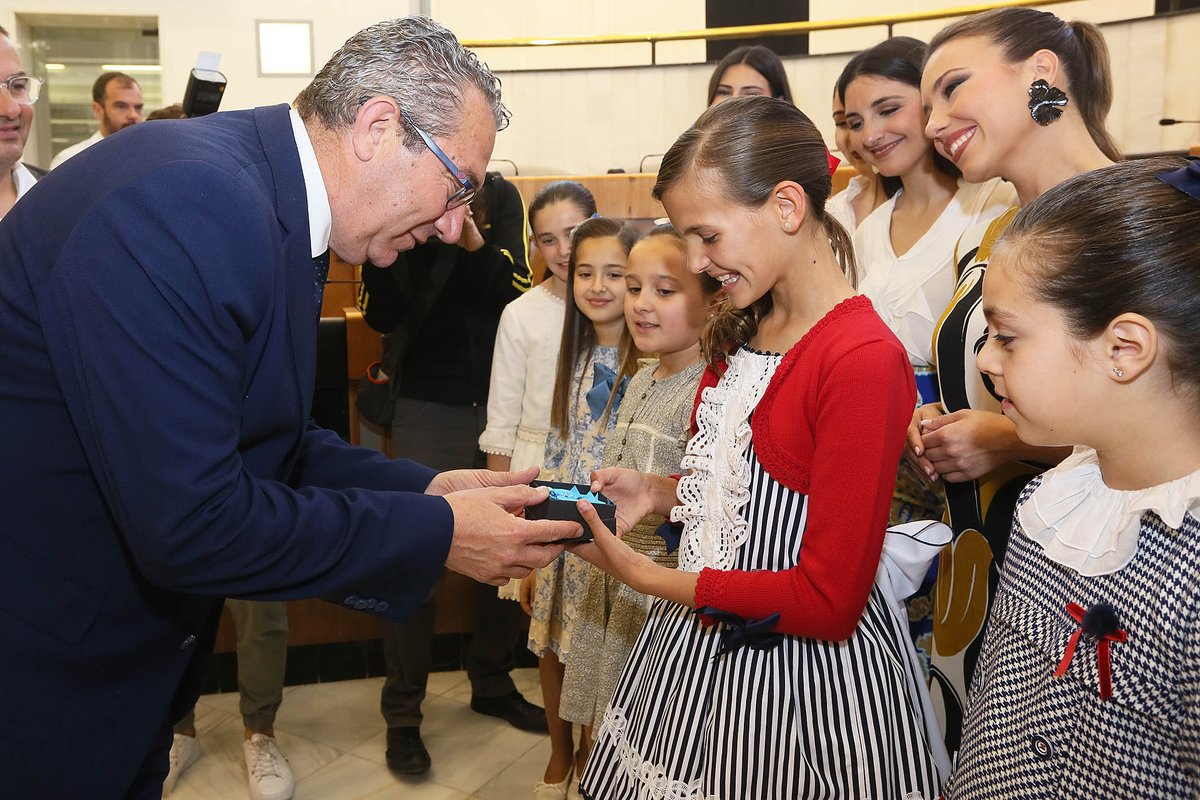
(580, 121)
(621, 115)
(852, 40)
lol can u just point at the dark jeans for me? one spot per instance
(445, 437)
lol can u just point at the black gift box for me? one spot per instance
(561, 505)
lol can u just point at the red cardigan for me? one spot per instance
(831, 425)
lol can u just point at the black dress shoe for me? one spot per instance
(514, 709)
(406, 753)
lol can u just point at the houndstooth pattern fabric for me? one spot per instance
(1031, 735)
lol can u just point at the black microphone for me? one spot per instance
(1177, 121)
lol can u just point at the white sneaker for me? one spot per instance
(269, 776)
(185, 751)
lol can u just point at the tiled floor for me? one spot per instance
(334, 739)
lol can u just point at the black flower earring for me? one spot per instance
(1045, 102)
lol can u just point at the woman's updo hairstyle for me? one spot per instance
(1080, 47)
(1117, 240)
(753, 144)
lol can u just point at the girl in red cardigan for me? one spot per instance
(774, 664)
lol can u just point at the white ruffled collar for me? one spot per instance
(1083, 524)
(715, 490)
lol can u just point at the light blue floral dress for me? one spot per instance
(558, 587)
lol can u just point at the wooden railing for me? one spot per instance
(753, 31)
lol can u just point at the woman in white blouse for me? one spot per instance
(905, 248)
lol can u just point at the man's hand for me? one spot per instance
(471, 239)
(490, 544)
(457, 480)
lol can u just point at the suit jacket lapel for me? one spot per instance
(279, 145)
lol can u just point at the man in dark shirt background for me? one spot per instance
(441, 303)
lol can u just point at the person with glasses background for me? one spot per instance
(18, 93)
(157, 362)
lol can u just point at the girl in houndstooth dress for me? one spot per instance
(1088, 683)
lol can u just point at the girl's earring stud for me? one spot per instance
(1120, 373)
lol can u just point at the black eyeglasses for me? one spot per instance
(467, 188)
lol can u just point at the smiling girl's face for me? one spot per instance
(599, 285)
(552, 226)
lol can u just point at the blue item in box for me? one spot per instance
(561, 505)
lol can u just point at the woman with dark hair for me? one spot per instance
(774, 663)
(905, 248)
(865, 192)
(749, 70)
(1018, 93)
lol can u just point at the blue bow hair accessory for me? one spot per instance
(737, 631)
(602, 389)
(1185, 179)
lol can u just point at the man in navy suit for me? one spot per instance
(159, 297)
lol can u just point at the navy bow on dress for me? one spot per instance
(737, 631)
(602, 389)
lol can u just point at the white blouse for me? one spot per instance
(841, 207)
(911, 291)
(1083, 524)
(522, 383)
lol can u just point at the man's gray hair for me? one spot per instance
(413, 60)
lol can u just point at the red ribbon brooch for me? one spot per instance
(1101, 623)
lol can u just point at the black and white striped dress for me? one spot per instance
(804, 719)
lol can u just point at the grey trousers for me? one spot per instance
(262, 633)
(445, 437)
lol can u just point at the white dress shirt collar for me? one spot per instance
(22, 178)
(320, 218)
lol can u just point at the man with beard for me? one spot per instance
(117, 104)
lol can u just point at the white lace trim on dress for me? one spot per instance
(713, 494)
(652, 778)
(1083, 524)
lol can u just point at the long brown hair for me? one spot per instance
(1080, 47)
(754, 143)
(578, 334)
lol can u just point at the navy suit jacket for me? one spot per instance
(157, 347)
